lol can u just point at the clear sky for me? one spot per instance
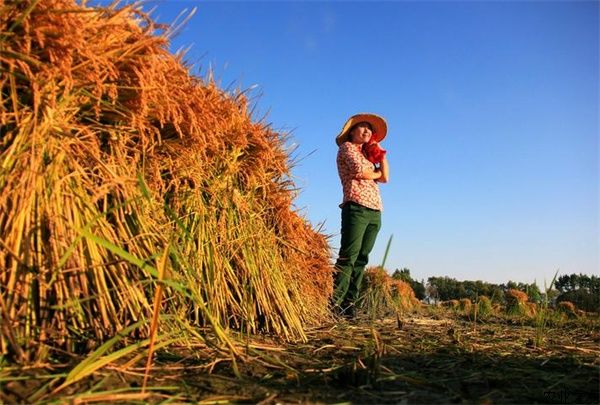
(492, 109)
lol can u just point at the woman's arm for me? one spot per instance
(374, 174)
(385, 171)
(380, 175)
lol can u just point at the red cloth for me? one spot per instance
(373, 152)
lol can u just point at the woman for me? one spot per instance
(361, 206)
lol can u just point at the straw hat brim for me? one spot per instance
(378, 123)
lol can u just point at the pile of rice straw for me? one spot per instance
(121, 171)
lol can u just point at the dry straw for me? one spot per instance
(483, 306)
(108, 149)
(383, 295)
(517, 303)
(453, 304)
(465, 305)
(568, 308)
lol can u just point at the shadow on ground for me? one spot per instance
(416, 360)
(421, 361)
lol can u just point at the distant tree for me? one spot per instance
(570, 282)
(419, 289)
(582, 299)
(403, 275)
(437, 286)
(595, 285)
(481, 288)
(581, 289)
(585, 282)
(447, 288)
(563, 283)
(534, 293)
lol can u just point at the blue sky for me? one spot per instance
(492, 110)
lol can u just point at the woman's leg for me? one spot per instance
(354, 224)
(368, 241)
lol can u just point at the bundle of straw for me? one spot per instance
(465, 305)
(517, 303)
(112, 157)
(568, 309)
(382, 295)
(483, 306)
(453, 304)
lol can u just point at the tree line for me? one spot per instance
(581, 289)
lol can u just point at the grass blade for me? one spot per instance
(94, 361)
(162, 268)
(387, 250)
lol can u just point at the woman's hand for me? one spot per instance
(384, 171)
(380, 175)
(374, 174)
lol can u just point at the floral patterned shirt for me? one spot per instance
(350, 163)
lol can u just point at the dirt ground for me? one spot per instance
(417, 359)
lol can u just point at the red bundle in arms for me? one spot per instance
(373, 152)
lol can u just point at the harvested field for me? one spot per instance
(422, 358)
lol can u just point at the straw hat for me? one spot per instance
(378, 123)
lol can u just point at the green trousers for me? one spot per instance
(360, 226)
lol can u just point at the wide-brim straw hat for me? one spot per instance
(377, 123)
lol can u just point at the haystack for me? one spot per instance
(383, 295)
(465, 305)
(567, 308)
(114, 157)
(517, 303)
(483, 306)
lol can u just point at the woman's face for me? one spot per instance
(361, 133)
